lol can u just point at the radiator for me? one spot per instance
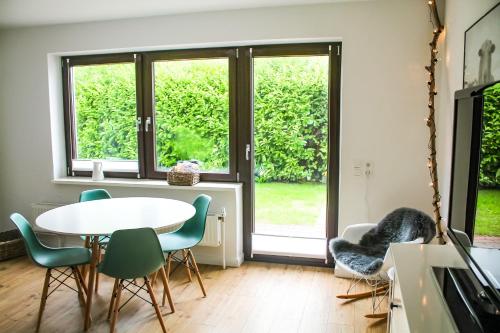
(38, 209)
(212, 236)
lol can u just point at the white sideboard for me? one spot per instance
(415, 301)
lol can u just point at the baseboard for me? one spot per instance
(217, 260)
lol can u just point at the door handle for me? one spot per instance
(138, 123)
(247, 152)
(146, 125)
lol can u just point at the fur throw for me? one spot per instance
(367, 257)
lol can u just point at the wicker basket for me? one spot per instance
(11, 245)
(183, 178)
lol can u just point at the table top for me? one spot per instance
(103, 217)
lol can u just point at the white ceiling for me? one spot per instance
(19, 13)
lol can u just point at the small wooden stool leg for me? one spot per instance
(43, 300)
(185, 259)
(197, 271)
(116, 307)
(166, 290)
(157, 309)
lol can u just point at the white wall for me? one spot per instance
(459, 16)
(383, 92)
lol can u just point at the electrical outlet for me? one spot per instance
(368, 166)
(357, 167)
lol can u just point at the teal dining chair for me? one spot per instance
(59, 260)
(91, 195)
(132, 254)
(188, 236)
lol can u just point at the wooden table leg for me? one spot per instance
(90, 286)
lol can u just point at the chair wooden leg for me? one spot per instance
(169, 258)
(116, 307)
(82, 281)
(99, 255)
(382, 315)
(185, 259)
(166, 290)
(364, 294)
(78, 286)
(154, 276)
(197, 271)
(153, 300)
(113, 297)
(43, 300)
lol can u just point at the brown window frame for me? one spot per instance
(145, 102)
(69, 111)
(148, 60)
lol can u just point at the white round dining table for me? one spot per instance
(103, 217)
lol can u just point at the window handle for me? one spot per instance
(138, 123)
(148, 122)
(247, 152)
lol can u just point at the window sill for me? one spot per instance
(147, 183)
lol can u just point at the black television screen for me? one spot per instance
(474, 211)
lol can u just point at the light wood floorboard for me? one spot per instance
(255, 298)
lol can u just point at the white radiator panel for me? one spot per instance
(39, 208)
(212, 235)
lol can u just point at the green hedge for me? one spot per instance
(490, 146)
(191, 103)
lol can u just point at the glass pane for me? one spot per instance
(291, 141)
(192, 113)
(487, 224)
(105, 112)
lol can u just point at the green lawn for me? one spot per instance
(488, 213)
(289, 203)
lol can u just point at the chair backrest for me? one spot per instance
(33, 246)
(195, 226)
(401, 225)
(132, 253)
(96, 194)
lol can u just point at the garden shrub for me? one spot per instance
(490, 146)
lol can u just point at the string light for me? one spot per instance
(431, 161)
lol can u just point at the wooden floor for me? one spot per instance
(257, 297)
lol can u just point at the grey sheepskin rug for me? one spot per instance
(367, 257)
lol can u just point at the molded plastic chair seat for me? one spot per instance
(132, 254)
(53, 259)
(188, 236)
(177, 241)
(69, 256)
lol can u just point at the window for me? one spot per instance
(188, 100)
(102, 101)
